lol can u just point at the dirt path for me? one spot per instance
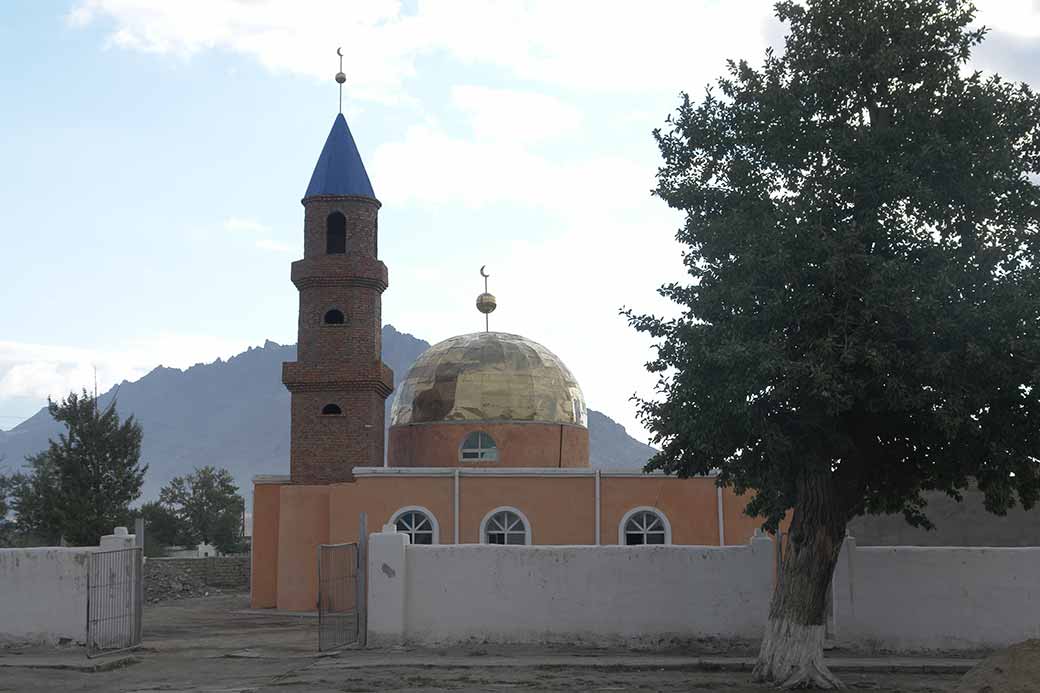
(216, 645)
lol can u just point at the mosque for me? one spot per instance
(488, 439)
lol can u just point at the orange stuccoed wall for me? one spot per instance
(291, 520)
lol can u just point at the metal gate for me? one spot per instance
(115, 600)
(339, 596)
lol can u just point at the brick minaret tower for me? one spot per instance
(338, 381)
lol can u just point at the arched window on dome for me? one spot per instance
(644, 526)
(505, 526)
(331, 410)
(333, 317)
(336, 234)
(478, 447)
(418, 523)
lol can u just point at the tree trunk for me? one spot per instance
(792, 650)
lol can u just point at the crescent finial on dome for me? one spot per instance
(486, 301)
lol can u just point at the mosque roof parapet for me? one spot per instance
(483, 471)
(505, 472)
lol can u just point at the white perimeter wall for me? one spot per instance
(43, 590)
(916, 597)
(898, 598)
(596, 594)
(43, 594)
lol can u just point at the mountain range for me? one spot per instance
(235, 414)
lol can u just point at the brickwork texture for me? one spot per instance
(338, 364)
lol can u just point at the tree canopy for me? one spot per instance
(6, 524)
(208, 508)
(862, 244)
(162, 528)
(81, 487)
(861, 321)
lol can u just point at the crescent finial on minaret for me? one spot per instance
(340, 77)
(486, 302)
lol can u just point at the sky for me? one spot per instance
(154, 156)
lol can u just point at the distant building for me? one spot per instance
(199, 551)
(488, 439)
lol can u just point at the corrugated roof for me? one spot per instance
(339, 170)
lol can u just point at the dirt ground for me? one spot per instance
(216, 645)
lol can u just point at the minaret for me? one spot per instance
(338, 382)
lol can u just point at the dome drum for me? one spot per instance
(516, 443)
(512, 389)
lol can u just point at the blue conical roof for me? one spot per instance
(339, 170)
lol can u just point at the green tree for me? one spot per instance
(862, 319)
(208, 506)
(35, 501)
(82, 485)
(6, 523)
(162, 528)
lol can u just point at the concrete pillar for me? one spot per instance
(843, 602)
(119, 539)
(762, 549)
(386, 587)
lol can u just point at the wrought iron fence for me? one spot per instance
(115, 589)
(340, 600)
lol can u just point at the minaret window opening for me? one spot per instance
(334, 317)
(331, 410)
(336, 234)
(478, 447)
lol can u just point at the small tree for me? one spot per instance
(208, 506)
(162, 528)
(82, 485)
(36, 501)
(862, 320)
(6, 524)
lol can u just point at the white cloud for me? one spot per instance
(428, 166)
(602, 46)
(276, 246)
(42, 370)
(1016, 17)
(586, 45)
(508, 115)
(284, 36)
(236, 224)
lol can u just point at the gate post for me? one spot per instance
(386, 572)
(362, 581)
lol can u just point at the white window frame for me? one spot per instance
(462, 448)
(645, 509)
(418, 509)
(518, 513)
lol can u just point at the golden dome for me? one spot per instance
(488, 376)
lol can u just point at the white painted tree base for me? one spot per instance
(792, 657)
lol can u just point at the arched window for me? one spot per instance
(336, 234)
(334, 317)
(478, 447)
(418, 523)
(644, 526)
(506, 526)
(331, 410)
